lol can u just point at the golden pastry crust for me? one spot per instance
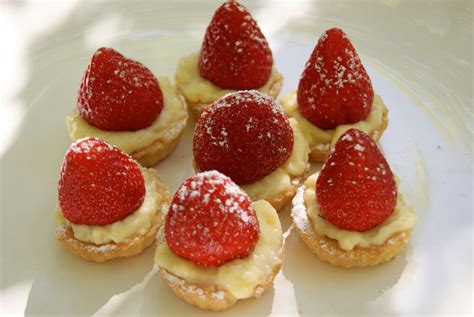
(320, 152)
(328, 249)
(274, 91)
(163, 146)
(109, 251)
(210, 297)
(280, 201)
(159, 148)
(150, 155)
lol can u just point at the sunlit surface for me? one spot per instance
(419, 56)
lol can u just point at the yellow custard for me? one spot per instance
(324, 139)
(402, 218)
(170, 122)
(137, 223)
(279, 181)
(239, 277)
(199, 90)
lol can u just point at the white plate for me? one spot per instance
(419, 57)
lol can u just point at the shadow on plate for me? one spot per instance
(154, 297)
(323, 289)
(55, 60)
(69, 285)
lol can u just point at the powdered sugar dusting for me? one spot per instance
(219, 295)
(359, 147)
(298, 211)
(102, 248)
(118, 94)
(334, 87)
(356, 189)
(160, 235)
(64, 231)
(344, 69)
(235, 53)
(191, 288)
(301, 220)
(246, 96)
(172, 279)
(95, 146)
(250, 30)
(211, 220)
(85, 145)
(259, 290)
(174, 130)
(347, 137)
(245, 135)
(99, 184)
(324, 147)
(237, 100)
(235, 195)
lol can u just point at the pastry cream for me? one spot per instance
(280, 180)
(402, 218)
(198, 90)
(170, 121)
(240, 277)
(318, 137)
(137, 223)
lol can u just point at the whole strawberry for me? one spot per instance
(211, 221)
(234, 53)
(244, 135)
(118, 94)
(99, 184)
(356, 189)
(334, 88)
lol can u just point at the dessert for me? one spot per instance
(334, 94)
(121, 102)
(217, 246)
(109, 206)
(234, 56)
(351, 213)
(246, 136)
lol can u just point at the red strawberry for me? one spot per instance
(355, 189)
(234, 53)
(99, 184)
(211, 220)
(244, 135)
(334, 88)
(118, 94)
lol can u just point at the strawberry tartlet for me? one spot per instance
(334, 94)
(120, 101)
(234, 56)
(109, 206)
(351, 213)
(217, 246)
(247, 136)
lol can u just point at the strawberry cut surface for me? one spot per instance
(235, 53)
(211, 221)
(334, 87)
(99, 184)
(244, 135)
(118, 94)
(356, 189)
